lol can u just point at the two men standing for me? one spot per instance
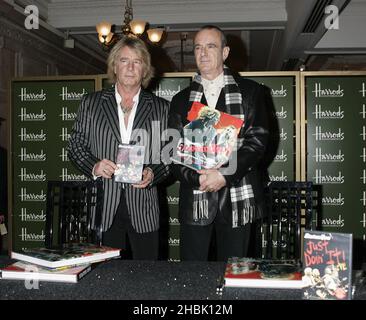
(110, 117)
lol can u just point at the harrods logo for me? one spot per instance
(173, 242)
(283, 135)
(65, 136)
(63, 155)
(31, 96)
(328, 114)
(328, 157)
(72, 95)
(363, 177)
(328, 135)
(363, 199)
(363, 221)
(24, 156)
(32, 197)
(281, 114)
(31, 177)
(282, 157)
(173, 221)
(26, 216)
(328, 179)
(66, 115)
(66, 176)
(25, 236)
(363, 133)
(279, 93)
(363, 90)
(333, 223)
(282, 177)
(166, 93)
(363, 155)
(32, 136)
(274, 243)
(327, 92)
(24, 116)
(172, 200)
(363, 112)
(333, 201)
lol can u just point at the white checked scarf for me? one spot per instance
(242, 196)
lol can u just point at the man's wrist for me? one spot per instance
(152, 174)
(95, 177)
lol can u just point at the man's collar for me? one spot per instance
(119, 97)
(218, 81)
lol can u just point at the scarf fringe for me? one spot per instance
(246, 215)
(200, 207)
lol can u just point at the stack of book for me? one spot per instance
(262, 273)
(67, 264)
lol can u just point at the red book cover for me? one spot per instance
(69, 255)
(25, 271)
(208, 139)
(263, 273)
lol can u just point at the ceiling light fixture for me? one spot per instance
(108, 37)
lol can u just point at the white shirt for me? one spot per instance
(126, 132)
(212, 89)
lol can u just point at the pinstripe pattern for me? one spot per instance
(95, 136)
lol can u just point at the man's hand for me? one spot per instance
(147, 178)
(212, 180)
(202, 179)
(104, 168)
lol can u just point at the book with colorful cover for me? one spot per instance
(208, 139)
(130, 163)
(69, 255)
(327, 265)
(25, 271)
(263, 273)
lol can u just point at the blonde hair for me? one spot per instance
(140, 48)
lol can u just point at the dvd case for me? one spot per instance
(130, 163)
(327, 265)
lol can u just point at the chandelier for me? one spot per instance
(135, 28)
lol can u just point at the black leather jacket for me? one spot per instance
(251, 164)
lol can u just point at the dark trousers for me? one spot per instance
(230, 242)
(144, 246)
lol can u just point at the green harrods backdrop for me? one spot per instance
(43, 111)
(336, 149)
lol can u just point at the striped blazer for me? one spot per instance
(96, 136)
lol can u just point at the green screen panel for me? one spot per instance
(283, 91)
(336, 149)
(43, 113)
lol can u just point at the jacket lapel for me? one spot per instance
(220, 105)
(144, 108)
(109, 107)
